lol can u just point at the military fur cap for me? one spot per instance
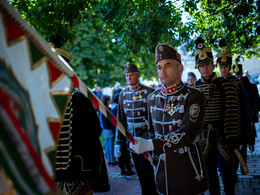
(55, 41)
(131, 68)
(163, 51)
(203, 55)
(224, 58)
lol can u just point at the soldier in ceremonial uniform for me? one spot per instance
(247, 131)
(132, 113)
(220, 131)
(176, 117)
(80, 163)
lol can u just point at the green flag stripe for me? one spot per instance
(21, 183)
(14, 166)
(89, 95)
(60, 101)
(109, 117)
(36, 54)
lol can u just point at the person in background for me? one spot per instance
(124, 158)
(191, 78)
(176, 116)
(247, 131)
(133, 113)
(98, 92)
(221, 128)
(108, 132)
(247, 75)
(80, 164)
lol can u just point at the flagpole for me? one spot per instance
(61, 64)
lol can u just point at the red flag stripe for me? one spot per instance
(14, 32)
(49, 181)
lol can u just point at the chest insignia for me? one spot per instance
(194, 112)
(172, 104)
(137, 95)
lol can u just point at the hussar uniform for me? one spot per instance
(248, 111)
(80, 164)
(176, 116)
(133, 114)
(221, 128)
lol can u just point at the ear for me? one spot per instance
(180, 67)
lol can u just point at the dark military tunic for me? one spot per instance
(80, 162)
(247, 131)
(220, 131)
(133, 114)
(176, 117)
(222, 111)
(132, 110)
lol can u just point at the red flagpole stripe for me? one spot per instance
(95, 101)
(113, 120)
(75, 80)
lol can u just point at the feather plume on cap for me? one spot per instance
(222, 44)
(199, 42)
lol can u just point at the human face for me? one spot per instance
(169, 71)
(191, 80)
(224, 70)
(206, 70)
(132, 78)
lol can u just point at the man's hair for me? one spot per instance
(191, 74)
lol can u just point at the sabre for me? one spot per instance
(241, 160)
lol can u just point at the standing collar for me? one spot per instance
(213, 77)
(137, 86)
(172, 89)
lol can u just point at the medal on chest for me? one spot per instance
(137, 95)
(172, 104)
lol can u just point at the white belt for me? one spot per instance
(136, 125)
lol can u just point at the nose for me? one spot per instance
(163, 70)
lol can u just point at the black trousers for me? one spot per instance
(215, 161)
(124, 160)
(145, 173)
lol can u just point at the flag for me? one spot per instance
(33, 97)
(35, 85)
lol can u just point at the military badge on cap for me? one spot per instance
(224, 58)
(160, 48)
(194, 112)
(163, 51)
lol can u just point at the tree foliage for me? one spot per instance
(236, 20)
(104, 35)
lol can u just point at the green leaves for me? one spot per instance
(104, 35)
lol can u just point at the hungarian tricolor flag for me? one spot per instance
(33, 97)
(35, 84)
